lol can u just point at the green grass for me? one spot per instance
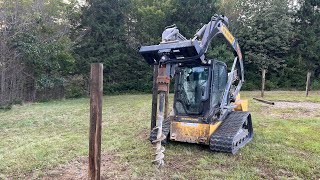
(41, 136)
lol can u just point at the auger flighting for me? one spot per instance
(159, 148)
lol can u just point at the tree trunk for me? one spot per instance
(308, 83)
(34, 91)
(263, 82)
(3, 81)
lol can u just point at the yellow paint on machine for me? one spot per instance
(214, 127)
(195, 132)
(242, 105)
(189, 119)
(227, 34)
(192, 132)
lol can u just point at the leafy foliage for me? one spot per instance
(105, 24)
(57, 41)
(45, 47)
(308, 26)
(265, 38)
(49, 60)
(265, 29)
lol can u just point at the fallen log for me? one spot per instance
(264, 101)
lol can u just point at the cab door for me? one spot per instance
(219, 82)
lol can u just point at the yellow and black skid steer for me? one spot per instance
(207, 108)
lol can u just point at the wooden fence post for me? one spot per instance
(308, 83)
(263, 82)
(96, 90)
(154, 97)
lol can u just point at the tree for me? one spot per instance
(106, 40)
(307, 21)
(265, 34)
(147, 21)
(190, 16)
(35, 48)
(45, 46)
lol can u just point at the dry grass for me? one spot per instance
(44, 139)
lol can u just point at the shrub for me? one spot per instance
(315, 85)
(76, 86)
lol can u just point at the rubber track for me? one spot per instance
(222, 139)
(165, 131)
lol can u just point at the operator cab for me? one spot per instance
(193, 85)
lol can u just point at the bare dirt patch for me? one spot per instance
(180, 163)
(289, 110)
(304, 105)
(78, 169)
(265, 171)
(144, 134)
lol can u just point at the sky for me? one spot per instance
(82, 2)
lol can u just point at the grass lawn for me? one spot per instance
(35, 138)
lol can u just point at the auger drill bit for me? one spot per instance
(163, 81)
(159, 148)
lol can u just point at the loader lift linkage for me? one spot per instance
(207, 108)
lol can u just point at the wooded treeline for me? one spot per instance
(47, 45)
(35, 49)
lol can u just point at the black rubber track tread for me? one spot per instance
(222, 139)
(165, 130)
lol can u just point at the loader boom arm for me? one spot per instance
(218, 26)
(175, 48)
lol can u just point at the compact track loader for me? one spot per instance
(207, 108)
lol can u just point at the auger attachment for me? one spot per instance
(159, 148)
(163, 81)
